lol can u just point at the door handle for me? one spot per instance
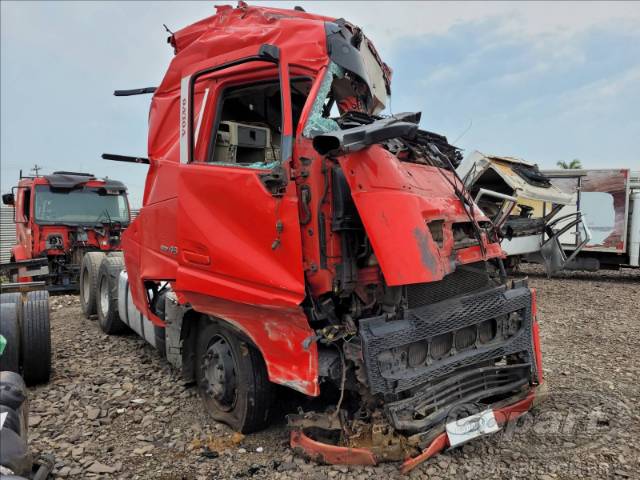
(193, 257)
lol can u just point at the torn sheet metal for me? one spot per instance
(477, 164)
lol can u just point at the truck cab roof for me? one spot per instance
(70, 180)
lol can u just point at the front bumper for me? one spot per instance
(443, 359)
(333, 454)
(450, 353)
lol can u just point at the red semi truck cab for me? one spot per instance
(64, 215)
(292, 235)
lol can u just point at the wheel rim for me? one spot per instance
(220, 378)
(86, 286)
(104, 297)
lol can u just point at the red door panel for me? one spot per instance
(228, 242)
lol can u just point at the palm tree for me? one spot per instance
(574, 164)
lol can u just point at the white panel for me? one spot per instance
(184, 119)
(522, 245)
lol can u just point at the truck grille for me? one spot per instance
(435, 341)
(464, 280)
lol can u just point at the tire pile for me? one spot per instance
(26, 327)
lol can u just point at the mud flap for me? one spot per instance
(553, 255)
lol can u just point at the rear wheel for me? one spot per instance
(89, 282)
(36, 342)
(38, 295)
(232, 379)
(10, 330)
(107, 301)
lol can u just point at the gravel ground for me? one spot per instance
(115, 409)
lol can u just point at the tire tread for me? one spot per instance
(92, 260)
(36, 342)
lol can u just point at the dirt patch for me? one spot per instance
(115, 409)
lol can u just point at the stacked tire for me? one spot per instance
(26, 327)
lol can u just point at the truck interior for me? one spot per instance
(248, 126)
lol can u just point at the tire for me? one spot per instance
(89, 282)
(10, 330)
(246, 409)
(36, 342)
(107, 296)
(38, 295)
(13, 297)
(12, 420)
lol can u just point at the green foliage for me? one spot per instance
(574, 164)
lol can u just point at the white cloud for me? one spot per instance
(384, 21)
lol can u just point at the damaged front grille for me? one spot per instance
(438, 340)
(432, 404)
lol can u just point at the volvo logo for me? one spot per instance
(183, 117)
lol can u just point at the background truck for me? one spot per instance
(609, 199)
(292, 236)
(61, 217)
(531, 213)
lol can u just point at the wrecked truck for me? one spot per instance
(532, 215)
(291, 235)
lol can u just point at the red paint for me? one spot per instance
(31, 236)
(535, 331)
(436, 446)
(337, 455)
(211, 230)
(502, 415)
(279, 335)
(331, 454)
(396, 200)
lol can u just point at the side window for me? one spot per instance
(26, 203)
(247, 130)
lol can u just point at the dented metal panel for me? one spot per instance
(476, 164)
(397, 201)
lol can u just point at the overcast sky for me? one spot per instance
(542, 81)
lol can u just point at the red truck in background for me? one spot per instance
(290, 235)
(63, 216)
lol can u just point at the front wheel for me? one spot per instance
(232, 379)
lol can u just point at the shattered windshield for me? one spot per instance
(86, 205)
(340, 92)
(356, 80)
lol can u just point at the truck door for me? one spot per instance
(238, 233)
(22, 213)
